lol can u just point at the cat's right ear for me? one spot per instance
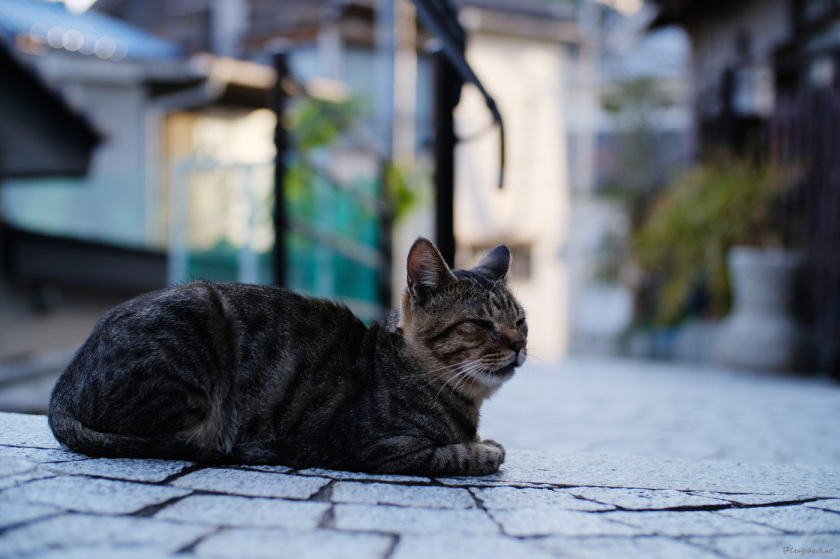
(427, 270)
(495, 263)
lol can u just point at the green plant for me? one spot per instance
(707, 209)
(317, 123)
(407, 185)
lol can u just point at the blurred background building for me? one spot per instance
(764, 84)
(307, 143)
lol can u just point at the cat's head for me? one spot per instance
(464, 325)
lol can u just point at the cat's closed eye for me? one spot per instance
(485, 324)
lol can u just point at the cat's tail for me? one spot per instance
(75, 435)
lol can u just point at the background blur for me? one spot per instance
(307, 143)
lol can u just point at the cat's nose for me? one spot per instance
(516, 342)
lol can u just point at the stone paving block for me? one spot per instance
(252, 483)
(542, 522)
(18, 429)
(517, 498)
(105, 552)
(405, 495)
(282, 544)
(253, 512)
(827, 504)
(77, 531)
(17, 470)
(11, 465)
(83, 494)
(7, 482)
(645, 408)
(460, 547)
(42, 455)
(265, 468)
(358, 476)
(748, 499)
(122, 468)
(794, 518)
(749, 547)
(592, 470)
(21, 513)
(398, 520)
(644, 499)
(491, 481)
(689, 523)
(649, 547)
(526, 510)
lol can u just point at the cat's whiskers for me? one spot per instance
(452, 366)
(468, 368)
(463, 380)
(444, 368)
(450, 379)
(499, 359)
(465, 370)
(431, 378)
(458, 380)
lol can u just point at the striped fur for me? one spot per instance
(256, 374)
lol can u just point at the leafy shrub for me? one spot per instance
(684, 239)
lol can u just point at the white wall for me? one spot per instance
(524, 75)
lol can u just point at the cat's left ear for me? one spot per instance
(495, 264)
(427, 270)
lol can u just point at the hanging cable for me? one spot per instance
(439, 18)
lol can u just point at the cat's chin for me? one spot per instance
(498, 376)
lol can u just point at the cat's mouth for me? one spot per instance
(501, 374)
(496, 377)
(504, 371)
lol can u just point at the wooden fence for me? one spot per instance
(805, 131)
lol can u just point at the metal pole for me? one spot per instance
(281, 141)
(386, 49)
(178, 256)
(448, 85)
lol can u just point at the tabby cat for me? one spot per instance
(235, 373)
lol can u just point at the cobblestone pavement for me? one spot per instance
(541, 504)
(666, 409)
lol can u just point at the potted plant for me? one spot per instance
(761, 332)
(714, 228)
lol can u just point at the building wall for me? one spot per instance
(747, 34)
(111, 203)
(530, 212)
(637, 119)
(109, 206)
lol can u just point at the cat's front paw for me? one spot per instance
(493, 443)
(487, 456)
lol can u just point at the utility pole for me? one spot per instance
(448, 84)
(386, 48)
(281, 141)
